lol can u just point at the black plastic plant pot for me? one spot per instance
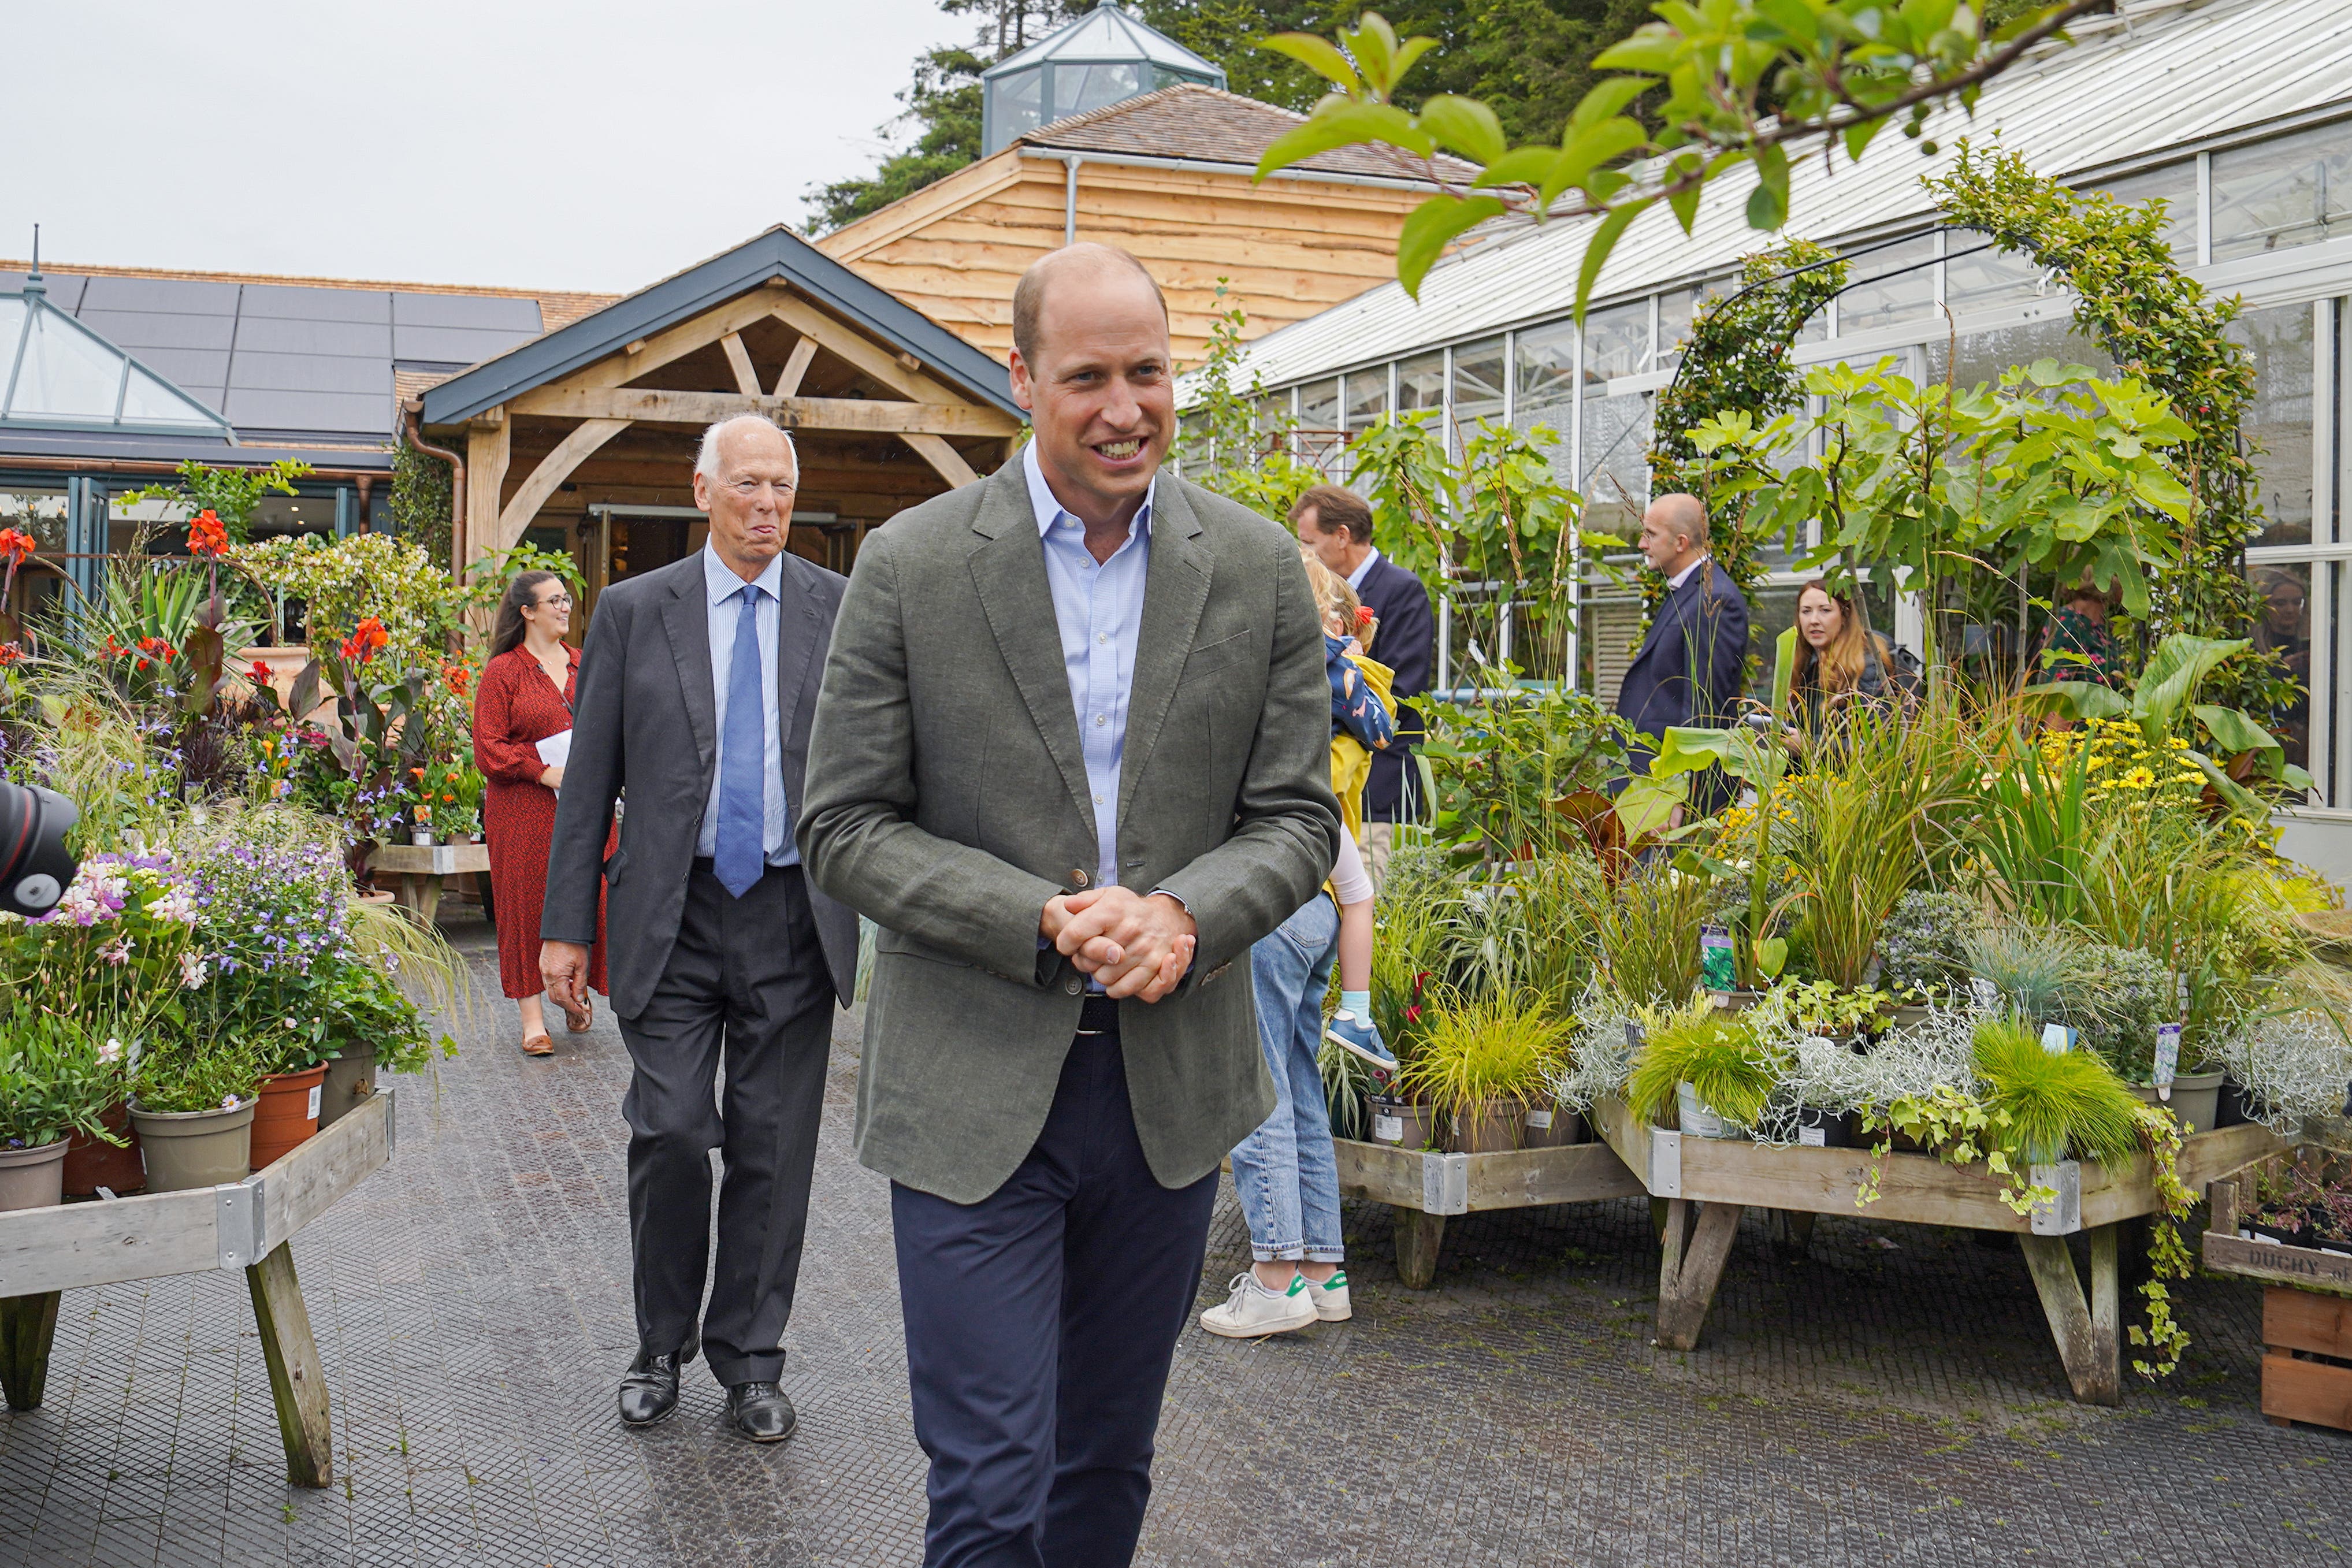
(1819, 1129)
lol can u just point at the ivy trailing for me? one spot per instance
(2164, 329)
(1738, 356)
(421, 495)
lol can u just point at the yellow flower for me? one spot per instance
(2139, 778)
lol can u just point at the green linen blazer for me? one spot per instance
(947, 801)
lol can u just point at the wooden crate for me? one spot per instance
(2307, 1315)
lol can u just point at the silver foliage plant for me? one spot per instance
(1602, 1058)
(2294, 1063)
(1831, 1076)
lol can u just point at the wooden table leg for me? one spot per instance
(28, 1326)
(297, 1384)
(1690, 1266)
(1793, 1231)
(429, 903)
(412, 891)
(1418, 1238)
(2086, 1332)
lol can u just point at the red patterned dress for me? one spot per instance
(516, 707)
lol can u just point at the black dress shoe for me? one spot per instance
(760, 1411)
(649, 1389)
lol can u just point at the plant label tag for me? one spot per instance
(1986, 994)
(2168, 1059)
(1719, 968)
(1539, 1119)
(1632, 1036)
(313, 1113)
(1814, 1137)
(1388, 1129)
(2057, 1039)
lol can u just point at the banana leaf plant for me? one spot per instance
(2163, 703)
(1754, 756)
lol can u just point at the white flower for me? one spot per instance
(175, 905)
(193, 971)
(111, 1052)
(288, 1022)
(229, 1102)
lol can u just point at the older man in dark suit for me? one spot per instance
(1694, 660)
(696, 693)
(1336, 525)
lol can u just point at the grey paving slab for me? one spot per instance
(1890, 1398)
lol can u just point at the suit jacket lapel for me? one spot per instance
(1008, 570)
(1671, 611)
(1175, 590)
(686, 617)
(796, 636)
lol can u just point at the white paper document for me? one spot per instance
(556, 749)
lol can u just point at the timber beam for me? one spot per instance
(649, 405)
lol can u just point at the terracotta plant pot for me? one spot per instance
(1493, 1127)
(351, 1078)
(288, 1113)
(33, 1178)
(2195, 1099)
(187, 1149)
(93, 1162)
(1404, 1123)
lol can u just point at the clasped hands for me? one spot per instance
(1138, 946)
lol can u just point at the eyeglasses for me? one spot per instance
(559, 602)
(748, 489)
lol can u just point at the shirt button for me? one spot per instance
(1097, 800)
(1102, 718)
(1102, 636)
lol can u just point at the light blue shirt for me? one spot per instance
(1100, 609)
(1363, 569)
(725, 593)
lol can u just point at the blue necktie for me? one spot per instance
(742, 850)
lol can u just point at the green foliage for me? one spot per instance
(184, 1073)
(422, 505)
(1502, 763)
(1719, 1054)
(1746, 85)
(1646, 929)
(1508, 1045)
(61, 1072)
(2054, 1101)
(229, 494)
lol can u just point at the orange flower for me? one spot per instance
(15, 545)
(9, 654)
(208, 539)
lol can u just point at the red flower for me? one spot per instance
(367, 637)
(1412, 1013)
(9, 654)
(261, 674)
(457, 677)
(1363, 615)
(15, 545)
(206, 538)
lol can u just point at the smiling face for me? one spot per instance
(550, 611)
(1820, 618)
(1101, 392)
(750, 499)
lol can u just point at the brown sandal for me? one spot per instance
(579, 1023)
(539, 1045)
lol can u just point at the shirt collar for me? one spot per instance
(1050, 510)
(1683, 576)
(1364, 568)
(722, 583)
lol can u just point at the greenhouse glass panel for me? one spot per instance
(2176, 184)
(1615, 481)
(1990, 278)
(1891, 287)
(1544, 366)
(1078, 89)
(1676, 310)
(1421, 382)
(2296, 190)
(1318, 405)
(2283, 630)
(150, 400)
(1015, 106)
(1478, 370)
(1368, 397)
(2279, 421)
(65, 372)
(1983, 356)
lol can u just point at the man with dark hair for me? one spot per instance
(1072, 755)
(1694, 660)
(1336, 525)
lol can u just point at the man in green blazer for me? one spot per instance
(1071, 755)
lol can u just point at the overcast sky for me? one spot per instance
(595, 145)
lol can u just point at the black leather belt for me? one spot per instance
(1098, 1016)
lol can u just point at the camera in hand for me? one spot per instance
(35, 864)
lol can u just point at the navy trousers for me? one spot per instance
(1040, 1325)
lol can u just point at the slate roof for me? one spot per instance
(1213, 126)
(298, 358)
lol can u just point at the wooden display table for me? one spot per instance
(240, 1225)
(1705, 1183)
(1425, 1189)
(421, 871)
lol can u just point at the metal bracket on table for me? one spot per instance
(1446, 1184)
(2061, 1215)
(242, 1242)
(1665, 1164)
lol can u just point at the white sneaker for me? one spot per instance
(1331, 1298)
(1255, 1311)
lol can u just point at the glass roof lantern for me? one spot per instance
(1106, 57)
(55, 373)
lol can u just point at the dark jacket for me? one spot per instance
(645, 716)
(1407, 643)
(1692, 662)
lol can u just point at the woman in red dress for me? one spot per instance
(524, 697)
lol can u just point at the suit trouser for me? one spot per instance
(1039, 1325)
(747, 977)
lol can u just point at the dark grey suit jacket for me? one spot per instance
(644, 718)
(948, 800)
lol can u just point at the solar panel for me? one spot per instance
(286, 301)
(139, 331)
(308, 372)
(174, 296)
(290, 335)
(258, 409)
(466, 311)
(65, 288)
(452, 345)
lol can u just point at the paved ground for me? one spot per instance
(1875, 1404)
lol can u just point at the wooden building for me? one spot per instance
(584, 440)
(1166, 176)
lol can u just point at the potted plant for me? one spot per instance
(58, 1075)
(193, 1105)
(1483, 1062)
(1919, 952)
(1706, 1071)
(2046, 1102)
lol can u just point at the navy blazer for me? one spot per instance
(1694, 661)
(1407, 643)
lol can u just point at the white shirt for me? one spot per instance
(724, 589)
(1363, 570)
(1683, 576)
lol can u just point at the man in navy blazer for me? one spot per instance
(1692, 662)
(1336, 525)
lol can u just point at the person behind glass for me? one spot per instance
(2080, 644)
(523, 697)
(1840, 663)
(1694, 657)
(696, 692)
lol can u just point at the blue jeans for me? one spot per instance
(1285, 1172)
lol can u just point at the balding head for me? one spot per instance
(1068, 265)
(1674, 533)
